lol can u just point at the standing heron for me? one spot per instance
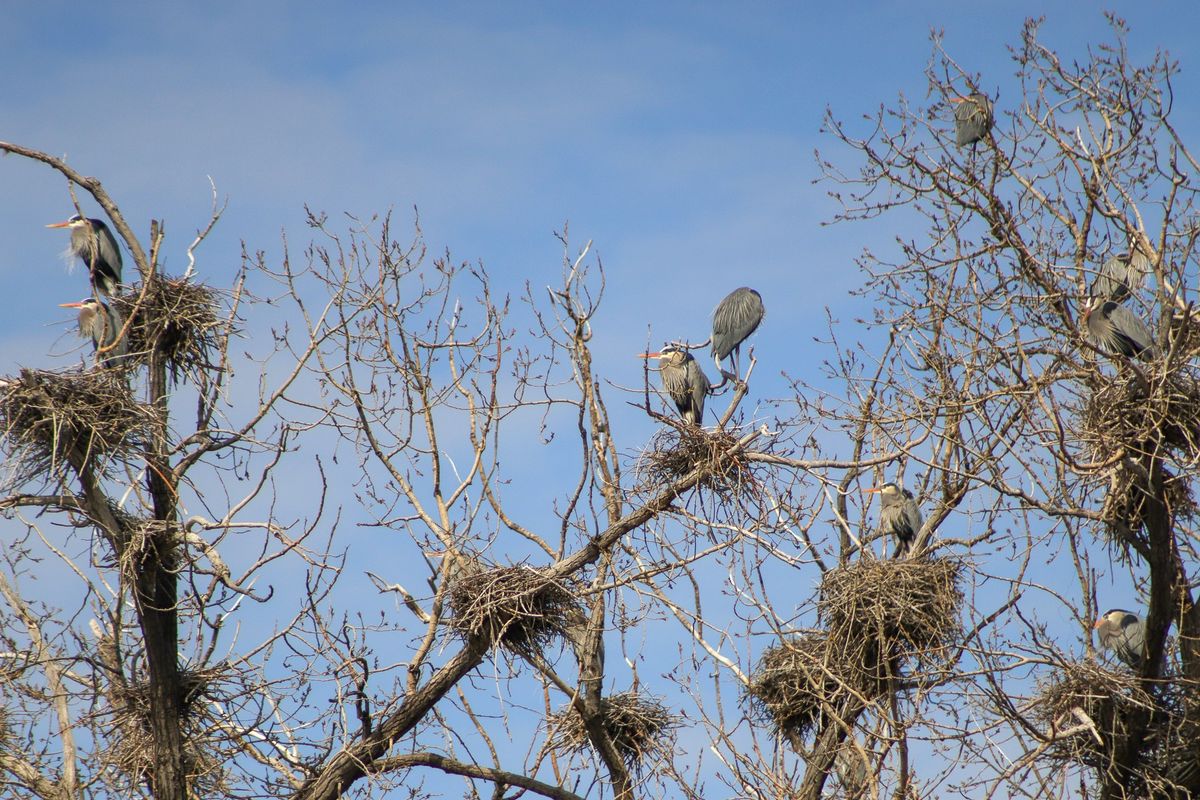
(900, 516)
(683, 381)
(972, 118)
(1120, 276)
(93, 242)
(735, 318)
(1124, 633)
(103, 324)
(1113, 327)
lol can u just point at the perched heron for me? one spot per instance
(683, 381)
(900, 516)
(93, 242)
(972, 118)
(736, 317)
(1120, 276)
(1124, 633)
(1113, 327)
(103, 324)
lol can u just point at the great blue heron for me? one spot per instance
(103, 324)
(93, 242)
(1120, 276)
(899, 517)
(683, 381)
(735, 318)
(1118, 330)
(1124, 633)
(972, 118)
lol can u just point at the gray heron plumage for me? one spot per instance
(1117, 330)
(735, 318)
(95, 245)
(1120, 276)
(102, 323)
(683, 381)
(972, 118)
(1123, 633)
(899, 515)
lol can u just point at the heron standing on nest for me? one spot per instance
(95, 245)
(972, 118)
(899, 517)
(103, 324)
(683, 381)
(735, 318)
(1124, 633)
(1120, 276)
(1117, 330)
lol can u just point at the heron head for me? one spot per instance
(75, 221)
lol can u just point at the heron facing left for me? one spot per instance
(972, 118)
(102, 324)
(683, 381)
(900, 515)
(95, 245)
(1124, 633)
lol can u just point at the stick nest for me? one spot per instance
(130, 747)
(906, 607)
(638, 727)
(177, 317)
(1088, 713)
(796, 683)
(1125, 504)
(50, 418)
(674, 453)
(1129, 415)
(517, 607)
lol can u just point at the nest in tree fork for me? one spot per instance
(877, 610)
(50, 418)
(176, 317)
(1136, 416)
(798, 683)
(130, 742)
(1125, 504)
(638, 727)
(1088, 712)
(518, 607)
(676, 452)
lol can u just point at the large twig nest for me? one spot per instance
(1125, 503)
(638, 727)
(176, 316)
(799, 682)
(1134, 415)
(901, 607)
(518, 607)
(51, 418)
(674, 453)
(130, 748)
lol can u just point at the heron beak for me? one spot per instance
(649, 355)
(957, 99)
(1099, 622)
(873, 490)
(66, 224)
(70, 305)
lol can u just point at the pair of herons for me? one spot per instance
(94, 244)
(735, 318)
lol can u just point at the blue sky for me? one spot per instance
(679, 137)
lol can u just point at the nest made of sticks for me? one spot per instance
(176, 316)
(48, 419)
(638, 727)
(1124, 505)
(518, 607)
(1095, 703)
(676, 452)
(1133, 415)
(130, 744)
(801, 680)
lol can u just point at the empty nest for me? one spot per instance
(676, 452)
(517, 607)
(1129, 415)
(177, 317)
(798, 682)
(1124, 508)
(638, 727)
(52, 418)
(130, 748)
